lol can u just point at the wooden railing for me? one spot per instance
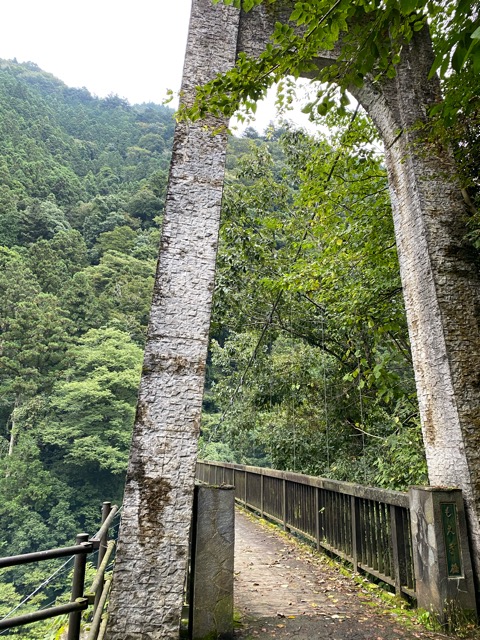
(368, 527)
(81, 598)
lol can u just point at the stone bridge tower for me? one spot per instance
(442, 297)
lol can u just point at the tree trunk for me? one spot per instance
(13, 430)
(149, 575)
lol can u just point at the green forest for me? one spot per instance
(309, 366)
(330, 390)
(82, 191)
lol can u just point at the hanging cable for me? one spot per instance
(252, 358)
(40, 586)
(47, 581)
(292, 402)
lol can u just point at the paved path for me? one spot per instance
(284, 590)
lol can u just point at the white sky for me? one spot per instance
(135, 50)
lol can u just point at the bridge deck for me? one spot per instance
(282, 590)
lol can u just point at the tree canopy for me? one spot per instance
(310, 364)
(367, 36)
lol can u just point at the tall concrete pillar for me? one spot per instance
(148, 582)
(440, 275)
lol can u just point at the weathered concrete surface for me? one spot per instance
(213, 553)
(444, 580)
(147, 594)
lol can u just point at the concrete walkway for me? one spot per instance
(284, 590)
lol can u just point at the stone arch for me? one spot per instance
(442, 297)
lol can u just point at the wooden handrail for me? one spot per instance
(367, 526)
(388, 496)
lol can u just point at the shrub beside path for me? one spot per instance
(285, 590)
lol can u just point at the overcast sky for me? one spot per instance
(134, 49)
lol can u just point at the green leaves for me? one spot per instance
(82, 184)
(92, 410)
(246, 5)
(368, 36)
(302, 13)
(307, 260)
(408, 6)
(457, 43)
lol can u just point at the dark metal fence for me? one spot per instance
(366, 526)
(81, 599)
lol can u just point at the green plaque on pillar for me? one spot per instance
(450, 535)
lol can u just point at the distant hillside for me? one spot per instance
(66, 146)
(82, 186)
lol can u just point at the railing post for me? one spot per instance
(261, 495)
(211, 587)
(106, 508)
(317, 517)
(443, 569)
(398, 549)
(245, 496)
(356, 535)
(78, 586)
(284, 503)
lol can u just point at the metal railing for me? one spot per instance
(368, 527)
(81, 599)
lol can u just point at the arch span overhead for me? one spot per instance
(442, 297)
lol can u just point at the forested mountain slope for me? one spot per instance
(82, 185)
